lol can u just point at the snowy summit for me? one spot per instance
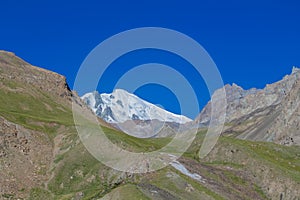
(121, 106)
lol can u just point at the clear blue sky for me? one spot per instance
(252, 42)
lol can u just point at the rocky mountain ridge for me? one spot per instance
(17, 70)
(269, 114)
(241, 102)
(282, 123)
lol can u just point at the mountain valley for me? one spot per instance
(42, 156)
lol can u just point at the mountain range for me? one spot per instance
(269, 114)
(260, 110)
(42, 157)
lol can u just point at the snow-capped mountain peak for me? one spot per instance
(121, 106)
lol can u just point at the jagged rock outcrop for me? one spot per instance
(242, 102)
(270, 114)
(284, 126)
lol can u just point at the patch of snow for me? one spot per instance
(89, 99)
(180, 167)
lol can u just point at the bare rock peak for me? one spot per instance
(234, 85)
(295, 70)
(242, 102)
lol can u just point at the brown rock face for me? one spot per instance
(17, 70)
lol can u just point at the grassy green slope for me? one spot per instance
(37, 112)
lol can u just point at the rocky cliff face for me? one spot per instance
(269, 114)
(242, 102)
(282, 125)
(286, 128)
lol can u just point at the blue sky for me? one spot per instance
(252, 42)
